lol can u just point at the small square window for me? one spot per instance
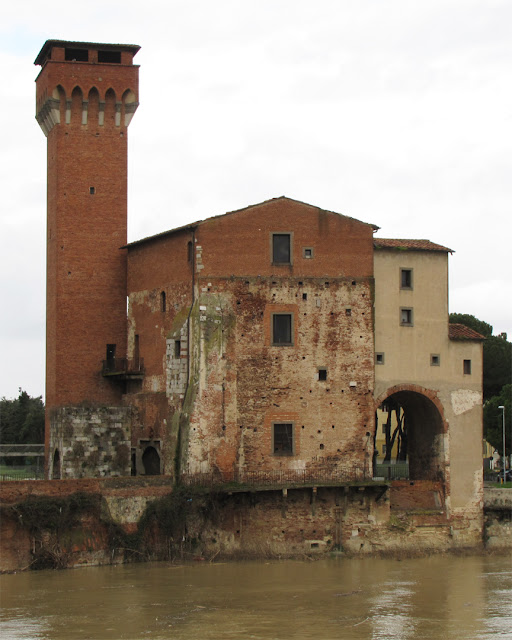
(282, 329)
(307, 253)
(282, 439)
(281, 248)
(405, 278)
(406, 317)
(379, 358)
(322, 374)
(435, 360)
(467, 367)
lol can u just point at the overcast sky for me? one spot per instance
(397, 113)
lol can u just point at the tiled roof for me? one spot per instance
(408, 245)
(461, 332)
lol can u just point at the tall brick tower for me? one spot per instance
(86, 95)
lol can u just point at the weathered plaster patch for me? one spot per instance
(464, 400)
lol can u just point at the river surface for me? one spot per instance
(440, 597)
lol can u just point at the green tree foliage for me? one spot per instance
(473, 323)
(497, 354)
(493, 420)
(497, 365)
(22, 420)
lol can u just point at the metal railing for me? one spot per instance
(397, 471)
(123, 365)
(25, 472)
(25, 450)
(277, 477)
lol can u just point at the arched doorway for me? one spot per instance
(56, 465)
(151, 461)
(414, 429)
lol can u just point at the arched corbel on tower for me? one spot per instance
(49, 113)
(130, 105)
(77, 106)
(93, 111)
(110, 107)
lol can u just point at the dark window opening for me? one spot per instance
(282, 329)
(307, 252)
(406, 278)
(151, 461)
(348, 312)
(435, 360)
(109, 56)
(282, 438)
(111, 352)
(190, 251)
(281, 248)
(379, 358)
(304, 296)
(56, 465)
(92, 190)
(163, 303)
(78, 55)
(136, 352)
(177, 348)
(467, 367)
(406, 317)
(322, 374)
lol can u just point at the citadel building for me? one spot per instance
(258, 346)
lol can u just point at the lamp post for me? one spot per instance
(504, 458)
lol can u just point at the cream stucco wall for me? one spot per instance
(407, 360)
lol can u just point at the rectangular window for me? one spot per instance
(109, 56)
(406, 318)
(435, 360)
(322, 374)
(281, 248)
(76, 55)
(307, 253)
(405, 278)
(379, 358)
(467, 367)
(282, 329)
(163, 303)
(177, 348)
(282, 439)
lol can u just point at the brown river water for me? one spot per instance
(441, 597)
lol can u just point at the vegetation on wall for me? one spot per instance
(56, 526)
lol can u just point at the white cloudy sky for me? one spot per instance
(395, 112)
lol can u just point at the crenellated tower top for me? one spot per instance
(78, 75)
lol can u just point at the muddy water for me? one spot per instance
(430, 598)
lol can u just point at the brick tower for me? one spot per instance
(86, 95)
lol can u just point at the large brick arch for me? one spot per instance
(427, 427)
(429, 394)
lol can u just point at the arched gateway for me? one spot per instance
(417, 430)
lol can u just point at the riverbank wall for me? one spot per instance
(70, 523)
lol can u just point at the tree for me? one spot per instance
(22, 420)
(473, 323)
(493, 420)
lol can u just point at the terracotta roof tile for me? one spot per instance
(408, 245)
(461, 332)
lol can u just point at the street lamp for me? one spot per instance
(504, 457)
